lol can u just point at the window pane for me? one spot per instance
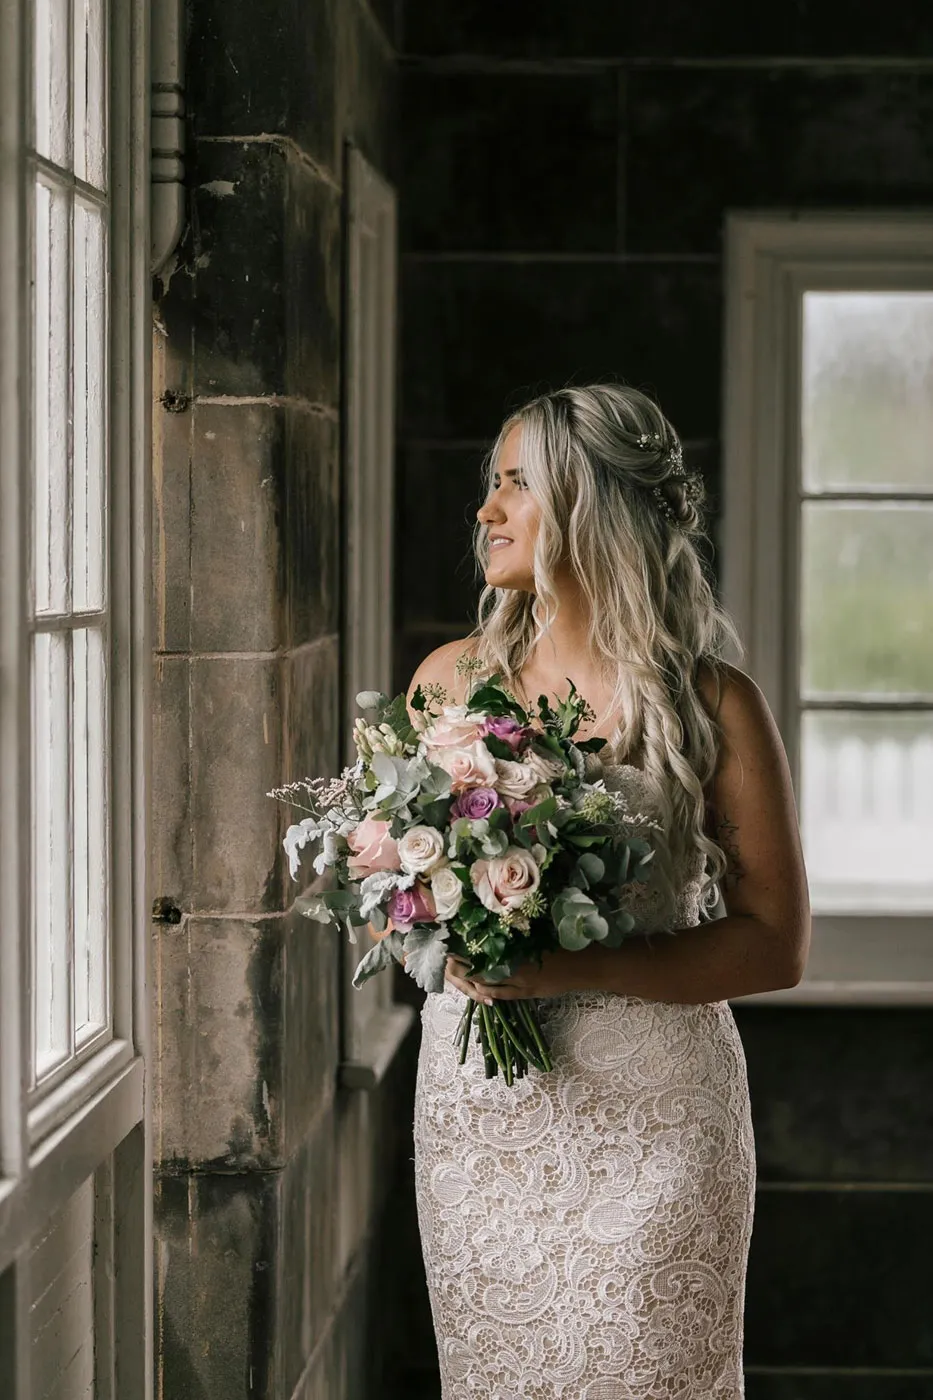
(50, 853)
(53, 60)
(867, 390)
(89, 749)
(50, 499)
(89, 101)
(867, 598)
(867, 811)
(88, 533)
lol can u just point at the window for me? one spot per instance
(74, 589)
(828, 568)
(373, 1026)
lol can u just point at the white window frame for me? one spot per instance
(373, 1024)
(94, 1120)
(771, 259)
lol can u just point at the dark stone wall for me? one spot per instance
(565, 173)
(271, 1183)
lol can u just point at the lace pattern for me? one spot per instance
(585, 1232)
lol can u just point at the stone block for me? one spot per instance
(263, 314)
(265, 68)
(219, 1073)
(497, 161)
(311, 1003)
(236, 758)
(837, 1092)
(218, 1286)
(674, 28)
(313, 533)
(781, 139)
(312, 719)
(309, 1193)
(237, 567)
(840, 1278)
(439, 492)
(170, 850)
(653, 325)
(172, 425)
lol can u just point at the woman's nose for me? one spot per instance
(489, 511)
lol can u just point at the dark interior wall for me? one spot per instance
(565, 171)
(270, 1181)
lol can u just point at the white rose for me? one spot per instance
(544, 768)
(514, 779)
(447, 891)
(505, 881)
(470, 766)
(420, 849)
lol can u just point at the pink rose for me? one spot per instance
(472, 766)
(455, 728)
(407, 907)
(504, 882)
(373, 847)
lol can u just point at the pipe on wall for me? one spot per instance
(168, 130)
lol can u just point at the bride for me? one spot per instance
(585, 1232)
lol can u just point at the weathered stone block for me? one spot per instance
(170, 855)
(840, 1278)
(835, 1092)
(236, 758)
(657, 326)
(220, 1071)
(313, 532)
(525, 161)
(312, 720)
(785, 139)
(265, 68)
(218, 1287)
(264, 305)
(237, 566)
(311, 1001)
(171, 479)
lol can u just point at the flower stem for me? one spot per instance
(464, 1029)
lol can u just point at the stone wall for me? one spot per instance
(566, 169)
(270, 1182)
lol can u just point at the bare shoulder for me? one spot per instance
(748, 728)
(439, 667)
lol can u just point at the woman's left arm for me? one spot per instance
(761, 943)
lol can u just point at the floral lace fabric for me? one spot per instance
(585, 1232)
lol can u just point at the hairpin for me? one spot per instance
(674, 459)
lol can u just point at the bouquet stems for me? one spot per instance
(508, 1035)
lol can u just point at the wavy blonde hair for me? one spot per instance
(654, 613)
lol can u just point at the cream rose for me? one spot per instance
(505, 881)
(514, 779)
(455, 728)
(470, 766)
(420, 849)
(544, 768)
(447, 891)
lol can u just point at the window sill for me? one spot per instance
(383, 1037)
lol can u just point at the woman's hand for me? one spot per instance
(559, 972)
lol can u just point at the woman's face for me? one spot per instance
(510, 515)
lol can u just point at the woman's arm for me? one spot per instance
(762, 942)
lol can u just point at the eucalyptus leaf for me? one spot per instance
(426, 955)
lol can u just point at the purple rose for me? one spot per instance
(517, 805)
(407, 907)
(475, 803)
(509, 730)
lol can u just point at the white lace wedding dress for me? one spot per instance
(585, 1232)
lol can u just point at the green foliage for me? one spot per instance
(381, 955)
(426, 957)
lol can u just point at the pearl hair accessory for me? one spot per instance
(674, 458)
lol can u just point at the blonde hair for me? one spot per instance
(654, 614)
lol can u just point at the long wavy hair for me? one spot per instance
(654, 614)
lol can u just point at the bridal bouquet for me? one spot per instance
(470, 830)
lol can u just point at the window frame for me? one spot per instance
(771, 259)
(95, 1121)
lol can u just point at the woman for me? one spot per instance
(586, 1232)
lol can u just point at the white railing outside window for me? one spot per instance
(828, 566)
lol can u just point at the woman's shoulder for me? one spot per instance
(725, 688)
(443, 666)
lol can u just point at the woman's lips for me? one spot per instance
(499, 543)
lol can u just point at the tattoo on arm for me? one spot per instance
(725, 834)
